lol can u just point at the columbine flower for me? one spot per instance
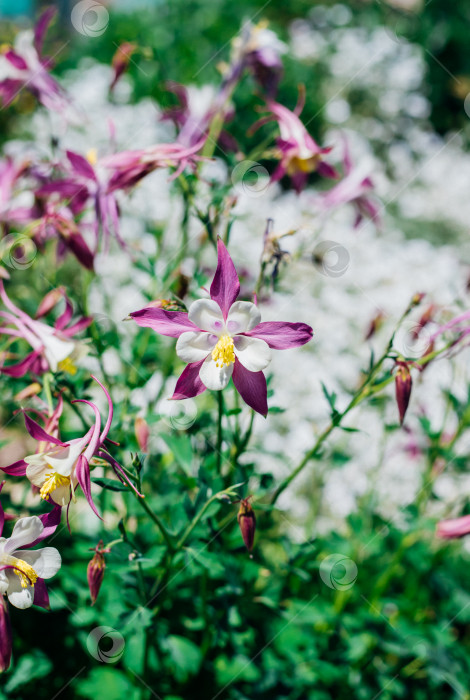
(53, 346)
(300, 154)
(355, 189)
(260, 50)
(57, 468)
(222, 338)
(26, 67)
(22, 571)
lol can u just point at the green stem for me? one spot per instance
(220, 403)
(47, 390)
(198, 516)
(166, 535)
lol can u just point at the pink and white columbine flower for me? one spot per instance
(354, 188)
(22, 571)
(24, 66)
(300, 154)
(57, 468)
(53, 346)
(222, 338)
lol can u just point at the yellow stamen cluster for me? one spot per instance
(26, 573)
(67, 366)
(224, 354)
(53, 481)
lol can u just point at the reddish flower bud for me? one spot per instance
(142, 433)
(403, 385)
(95, 571)
(5, 635)
(376, 323)
(51, 300)
(247, 522)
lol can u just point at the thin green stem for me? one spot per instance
(220, 403)
(166, 535)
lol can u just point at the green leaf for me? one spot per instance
(182, 450)
(185, 656)
(28, 668)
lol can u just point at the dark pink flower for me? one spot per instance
(95, 571)
(247, 522)
(300, 155)
(222, 338)
(456, 527)
(403, 384)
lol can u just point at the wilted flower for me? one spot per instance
(247, 522)
(95, 571)
(53, 346)
(222, 338)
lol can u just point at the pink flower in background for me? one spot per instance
(53, 346)
(300, 154)
(26, 67)
(456, 527)
(354, 188)
(222, 338)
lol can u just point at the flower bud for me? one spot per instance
(95, 572)
(247, 522)
(5, 635)
(403, 385)
(142, 433)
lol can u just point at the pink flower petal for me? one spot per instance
(38, 433)
(252, 388)
(457, 527)
(189, 384)
(171, 323)
(15, 469)
(225, 286)
(281, 335)
(41, 596)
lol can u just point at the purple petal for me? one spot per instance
(51, 521)
(326, 170)
(16, 60)
(76, 243)
(20, 369)
(65, 317)
(252, 388)
(38, 433)
(189, 383)
(81, 165)
(281, 335)
(15, 469)
(2, 512)
(41, 596)
(225, 286)
(41, 28)
(82, 472)
(171, 323)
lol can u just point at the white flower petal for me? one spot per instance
(55, 349)
(17, 595)
(61, 495)
(194, 347)
(3, 582)
(46, 562)
(253, 353)
(214, 377)
(63, 461)
(207, 316)
(26, 530)
(36, 470)
(242, 317)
